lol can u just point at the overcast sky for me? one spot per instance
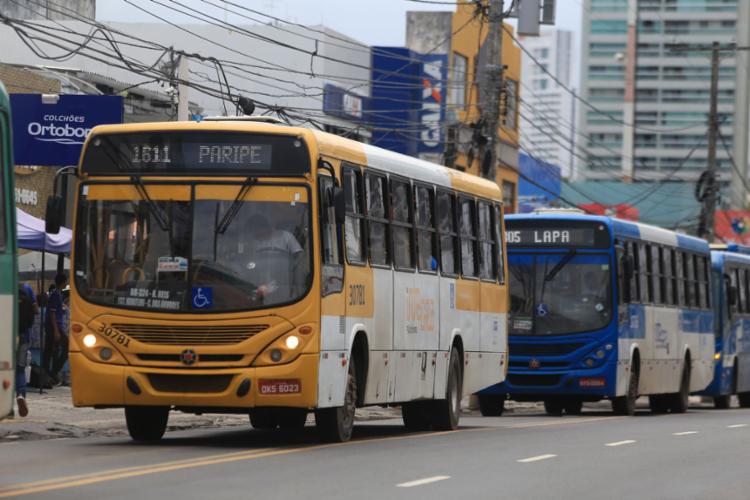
(374, 22)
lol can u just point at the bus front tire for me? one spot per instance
(625, 405)
(263, 419)
(744, 398)
(446, 411)
(146, 423)
(679, 402)
(292, 418)
(573, 406)
(491, 405)
(553, 407)
(336, 424)
(416, 415)
(722, 402)
(658, 404)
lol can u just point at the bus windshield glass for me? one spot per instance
(561, 293)
(193, 248)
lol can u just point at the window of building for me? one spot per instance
(509, 196)
(354, 225)
(467, 231)
(446, 214)
(458, 90)
(377, 219)
(424, 198)
(401, 225)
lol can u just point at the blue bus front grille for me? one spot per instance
(550, 349)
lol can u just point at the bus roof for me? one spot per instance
(628, 229)
(718, 257)
(4, 99)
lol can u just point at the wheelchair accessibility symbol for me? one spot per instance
(542, 310)
(203, 297)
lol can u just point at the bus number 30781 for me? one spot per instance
(114, 335)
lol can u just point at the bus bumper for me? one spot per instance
(106, 385)
(534, 385)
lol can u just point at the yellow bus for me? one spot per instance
(235, 265)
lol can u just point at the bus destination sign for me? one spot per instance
(209, 153)
(591, 236)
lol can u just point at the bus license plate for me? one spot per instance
(592, 382)
(290, 386)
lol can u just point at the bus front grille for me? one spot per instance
(189, 335)
(534, 380)
(543, 349)
(205, 358)
(162, 382)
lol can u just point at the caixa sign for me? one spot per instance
(52, 132)
(432, 112)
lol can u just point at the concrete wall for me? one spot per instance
(40, 9)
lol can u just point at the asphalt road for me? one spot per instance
(702, 454)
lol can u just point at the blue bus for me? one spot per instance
(731, 280)
(602, 308)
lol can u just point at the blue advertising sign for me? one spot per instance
(544, 191)
(339, 102)
(53, 134)
(432, 112)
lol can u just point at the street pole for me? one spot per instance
(490, 88)
(182, 89)
(628, 126)
(713, 132)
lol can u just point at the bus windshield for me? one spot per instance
(555, 294)
(193, 248)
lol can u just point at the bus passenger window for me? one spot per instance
(644, 274)
(353, 232)
(497, 223)
(426, 244)
(700, 277)
(446, 212)
(635, 283)
(666, 270)
(486, 243)
(744, 284)
(674, 274)
(468, 238)
(742, 292)
(328, 230)
(656, 277)
(401, 225)
(691, 299)
(377, 221)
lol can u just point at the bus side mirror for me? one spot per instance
(339, 204)
(55, 213)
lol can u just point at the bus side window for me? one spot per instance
(487, 262)
(732, 284)
(744, 284)
(687, 264)
(354, 226)
(497, 223)
(467, 229)
(424, 198)
(330, 241)
(446, 213)
(656, 275)
(700, 279)
(741, 291)
(623, 293)
(680, 275)
(674, 274)
(402, 231)
(377, 219)
(666, 269)
(635, 293)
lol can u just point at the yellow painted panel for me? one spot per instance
(467, 295)
(123, 192)
(494, 298)
(291, 194)
(472, 184)
(360, 296)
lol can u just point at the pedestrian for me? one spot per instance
(56, 338)
(27, 309)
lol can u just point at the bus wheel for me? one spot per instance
(292, 418)
(446, 411)
(744, 398)
(625, 405)
(146, 423)
(679, 401)
(553, 407)
(264, 418)
(573, 406)
(336, 424)
(658, 404)
(491, 405)
(722, 402)
(416, 415)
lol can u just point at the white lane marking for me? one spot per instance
(736, 426)
(420, 482)
(536, 458)
(684, 433)
(620, 443)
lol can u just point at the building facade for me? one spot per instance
(547, 108)
(630, 68)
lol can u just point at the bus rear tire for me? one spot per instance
(146, 423)
(446, 411)
(744, 398)
(679, 402)
(658, 404)
(553, 407)
(336, 424)
(491, 405)
(416, 415)
(625, 405)
(722, 402)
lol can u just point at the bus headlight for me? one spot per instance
(89, 340)
(286, 348)
(717, 356)
(292, 342)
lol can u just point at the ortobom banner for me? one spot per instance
(53, 134)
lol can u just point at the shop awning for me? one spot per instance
(31, 235)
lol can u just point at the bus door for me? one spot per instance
(415, 292)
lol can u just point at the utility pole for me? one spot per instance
(628, 127)
(709, 204)
(182, 89)
(490, 89)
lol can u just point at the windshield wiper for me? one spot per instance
(234, 209)
(153, 208)
(559, 266)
